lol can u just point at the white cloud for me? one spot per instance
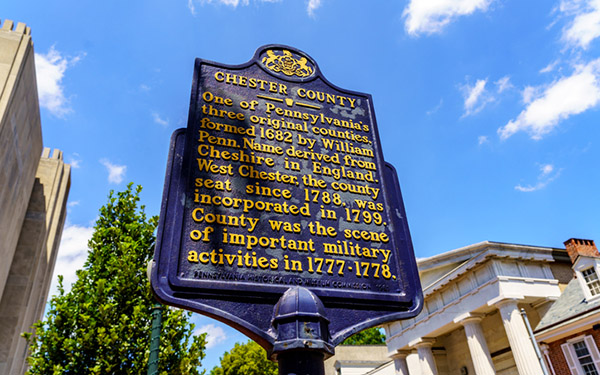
(476, 97)
(74, 161)
(503, 84)
(474, 93)
(50, 70)
(545, 177)
(159, 120)
(191, 7)
(529, 93)
(561, 99)
(72, 254)
(116, 173)
(528, 189)
(547, 169)
(585, 26)
(436, 108)
(73, 203)
(550, 67)
(231, 3)
(482, 139)
(214, 335)
(312, 6)
(431, 16)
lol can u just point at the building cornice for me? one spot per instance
(568, 326)
(467, 252)
(474, 255)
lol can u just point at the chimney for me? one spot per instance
(576, 247)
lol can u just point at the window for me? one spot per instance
(587, 270)
(591, 280)
(582, 356)
(585, 358)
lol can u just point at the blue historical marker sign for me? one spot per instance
(279, 181)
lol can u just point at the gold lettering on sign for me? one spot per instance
(301, 157)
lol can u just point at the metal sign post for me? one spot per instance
(280, 216)
(153, 358)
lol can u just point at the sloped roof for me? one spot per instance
(570, 304)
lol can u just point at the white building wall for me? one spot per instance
(474, 280)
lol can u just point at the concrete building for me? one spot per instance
(471, 321)
(569, 333)
(358, 360)
(34, 186)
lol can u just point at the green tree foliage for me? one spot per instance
(371, 336)
(251, 359)
(102, 326)
(245, 359)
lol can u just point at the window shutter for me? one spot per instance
(566, 348)
(589, 342)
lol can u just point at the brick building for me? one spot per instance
(569, 333)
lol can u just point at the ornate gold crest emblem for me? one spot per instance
(287, 64)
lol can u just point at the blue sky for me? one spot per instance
(488, 109)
